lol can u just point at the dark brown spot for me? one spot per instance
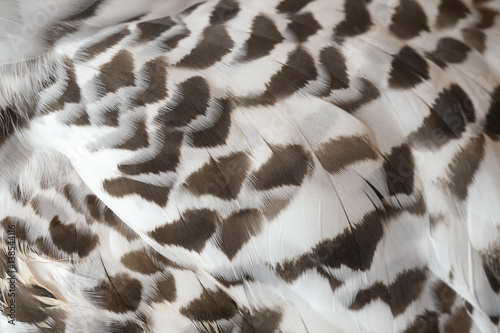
(119, 293)
(40, 291)
(405, 289)
(108, 42)
(288, 165)
(475, 38)
(464, 166)
(449, 50)
(409, 20)
(450, 11)
(354, 248)
(112, 117)
(68, 238)
(191, 231)
(459, 322)
(335, 65)
(444, 297)
(87, 12)
(274, 206)
(214, 45)
(399, 167)
(292, 6)
(264, 37)
(28, 309)
(10, 121)
(450, 113)
(153, 29)
(126, 327)
(216, 134)
(408, 69)
(293, 76)
(195, 94)
(492, 126)
(174, 40)
(239, 280)
(139, 261)
(488, 17)
(337, 154)
(303, 26)
(117, 73)
(492, 279)
(166, 160)
(237, 229)
(46, 248)
(155, 75)
(121, 187)
(93, 206)
(166, 290)
(368, 92)
(221, 178)
(212, 305)
(357, 19)
(262, 321)
(224, 11)
(428, 322)
(15, 225)
(138, 139)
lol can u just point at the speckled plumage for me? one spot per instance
(250, 166)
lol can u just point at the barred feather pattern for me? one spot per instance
(250, 166)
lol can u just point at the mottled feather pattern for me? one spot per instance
(250, 166)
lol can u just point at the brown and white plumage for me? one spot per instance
(250, 166)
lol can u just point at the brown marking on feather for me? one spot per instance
(212, 305)
(263, 38)
(237, 229)
(155, 75)
(217, 133)
(195, 94)
(68, 238)
(449, 50)
(139, 261)
(166, 290)
(117, 73)
(465, 164)
(450, 114)
(409, 20)
(190, 231)
(166, 160)
(119, 293)
(450, 12)
(404, 290)
(475, 38)
(102, 46)
(222, 178)
(357, 19)
(293, 76)
(121, 187)
(335, 64)
(214, 45)
(224, 11)
(303, 26)
(288, 165)
(408, 69)
(399, 167)
(137, 140)
(152, 29)
(339, 153)
(492, 125)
